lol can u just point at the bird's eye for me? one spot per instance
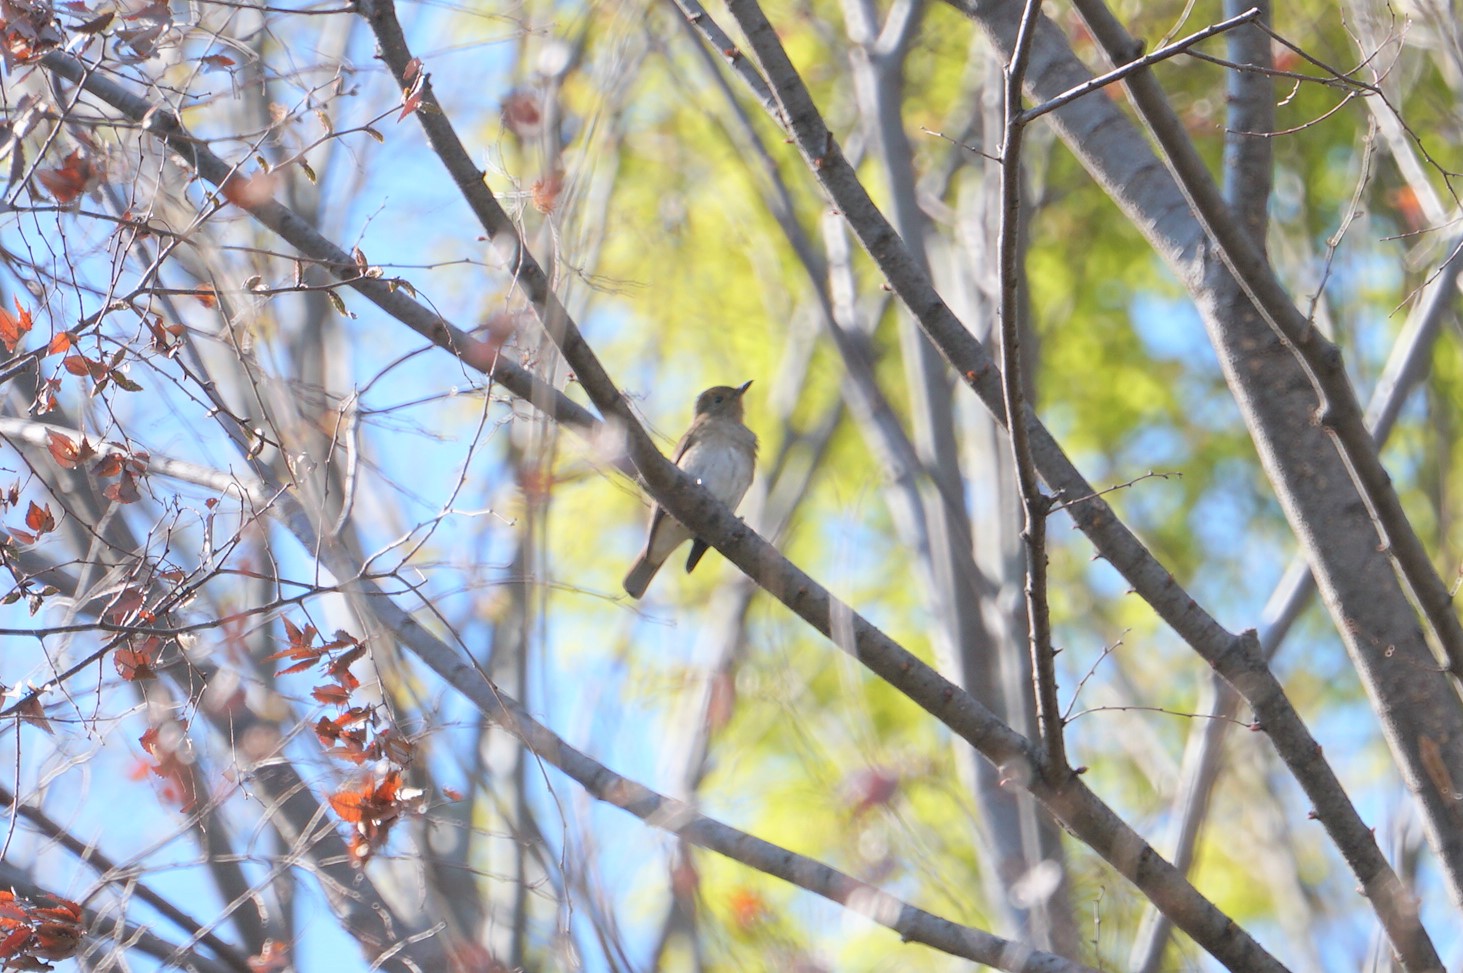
(719, 400)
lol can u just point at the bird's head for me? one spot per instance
(722, 400)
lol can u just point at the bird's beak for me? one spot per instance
(743, 390)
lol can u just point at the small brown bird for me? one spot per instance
(720, 453)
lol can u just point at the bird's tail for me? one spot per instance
(639, 577)
(698, 548)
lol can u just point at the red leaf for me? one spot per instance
(297, 667)
(63, 450)
(30, 30)
(331, 695)
(349, 804)
(137, 664)
(249, 191)
(346, 659)
(390, 788)
(301, 638)
(46, 396)
(124, 490)
(154, 12)
(351, 752)
(71, 179)
(64, 907)
(108, 465)
(56, 941)
(125, 605)
(32, 712)
(411, 98)
(40, 519)
(14, 327)
(352, 716)
(398, 749)
(165, 339)
(78, 364)
(97, 24)
(326, 730)
(11, 945)
(296, 653)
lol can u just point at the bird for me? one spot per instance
(720, 453)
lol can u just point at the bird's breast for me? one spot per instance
(723, 465)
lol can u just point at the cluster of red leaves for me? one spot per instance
(137, 657)
(146, 27)
(33, 935)
(102, 370)
(307, 655)
(171, 763)
(124, 469)
(125, 466)
(356, 734)
(28, 29)
(371, 808)
(40, 520)
(167, 339)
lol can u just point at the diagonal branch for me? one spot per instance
(163, 124)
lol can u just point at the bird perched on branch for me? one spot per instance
(719, 452)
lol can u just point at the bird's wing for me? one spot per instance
(657, 513)
(682, 446)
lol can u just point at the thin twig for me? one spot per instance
(1147, 60)
(1035, 504)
